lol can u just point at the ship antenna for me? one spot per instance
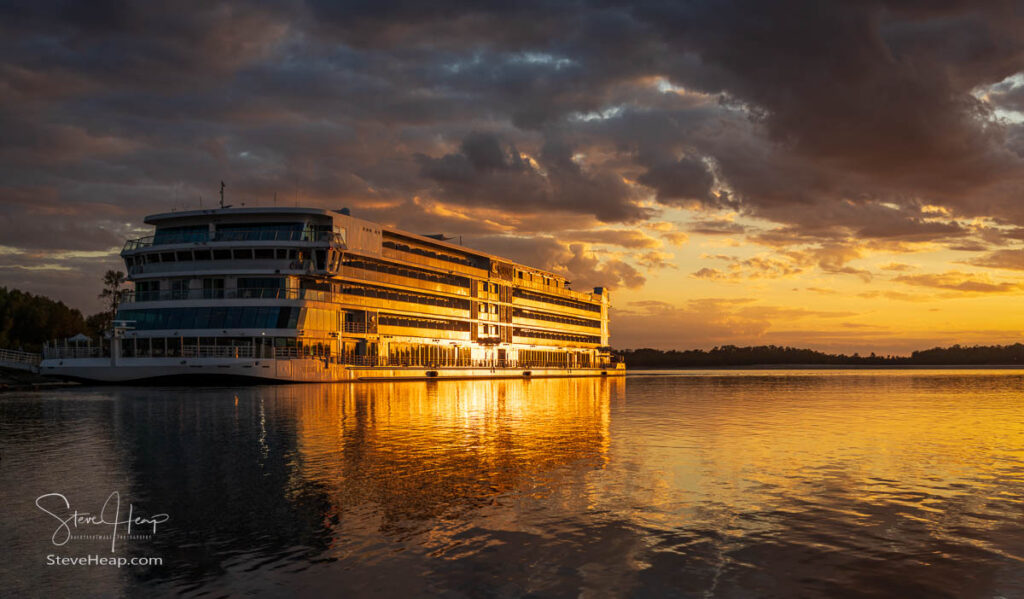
(222, 194)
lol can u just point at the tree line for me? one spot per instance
(27, 321)
(731, 355)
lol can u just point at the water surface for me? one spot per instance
(692, 484)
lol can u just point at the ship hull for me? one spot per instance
(169, 370)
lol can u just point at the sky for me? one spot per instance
(840, 175)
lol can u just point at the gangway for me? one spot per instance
(19, 360)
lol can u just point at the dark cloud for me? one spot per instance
(632, 239)
(574, 261)
(864, 85)
(685, 180)
(486, 172)
(716, 226)
(1005, 259)
(843, 123)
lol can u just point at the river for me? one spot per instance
(781, 483)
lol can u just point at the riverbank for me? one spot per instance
(20, 380)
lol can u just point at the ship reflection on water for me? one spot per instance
(272, 480)
(780, 484)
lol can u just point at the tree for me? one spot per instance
(113, 280)
(98, 323)
(27, 321)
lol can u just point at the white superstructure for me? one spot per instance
(303, 294)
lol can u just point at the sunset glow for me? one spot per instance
(852, 182)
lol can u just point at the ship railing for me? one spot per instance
(385, 361)
(318, 295)
(10, 356)
(556, 290)
(239, 293)
(262, 235)
(235, 235)
(434, 263)
(362, 360)
(221, 351)
(134, 244)
(364, 274)
(67, 352)
(548, 364)
(427, 257)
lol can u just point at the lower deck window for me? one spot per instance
(537, 334)
(396, 320)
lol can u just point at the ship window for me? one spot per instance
(147, 290)
(243, 254)
(202, 254)
(189, 234)
(217, 317)
(262, 232)
(266, 287)
(179, 288)
(264, 254)
(282, 254)
(167, 257)
(221, 254)
(213, 288)
(184, 256)
(183, 318)
(201, 318)
(233, 319)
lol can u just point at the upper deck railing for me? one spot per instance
(234, 235)
(585, 296)
(131, 297)
(433, 262)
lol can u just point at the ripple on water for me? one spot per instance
(767, 484)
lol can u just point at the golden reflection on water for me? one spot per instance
(817, 484)
(735, 476)
(418, 450)
(861, 463)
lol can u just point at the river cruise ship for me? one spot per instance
(310, 295)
